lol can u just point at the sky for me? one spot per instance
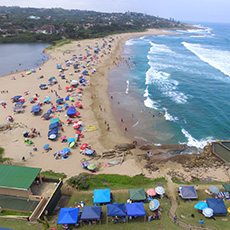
(181, 10)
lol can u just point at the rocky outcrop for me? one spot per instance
(124, 147)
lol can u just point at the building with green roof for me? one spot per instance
(17, 180)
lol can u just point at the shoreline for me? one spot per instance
(94, 98)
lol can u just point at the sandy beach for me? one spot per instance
(96, 112)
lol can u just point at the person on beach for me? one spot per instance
(201, 223)
(23, 158)
(126, 129)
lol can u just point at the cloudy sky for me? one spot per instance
(183, 10)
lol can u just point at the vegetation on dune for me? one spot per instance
(3, 159)
(53, 175)
(89, 182)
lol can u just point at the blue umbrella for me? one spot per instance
(72, 139)
(47, 99)
(46, 146)
(66, 150)
(154, 204)
(214, 189)
(59, 107)
(62, 152)
(201, 205)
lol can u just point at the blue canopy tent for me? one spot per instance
(217, 205)
(36, 109)
(16, 98)
(91, 213)
(71, 111)
(188, 192)
(20, 103)
(101, 196)
(54, 125)
(53, 131)
(68, 216)
(116, 210)
(135, 209)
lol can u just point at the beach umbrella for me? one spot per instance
(72, 144)
(214, 189)
(201, 205)
(77, 113)
(62, 152)
(208, 212)
(52, 136)
(47, 99)
(46, 146)
(72, 139)
(78, 132)
(91, 166)
(60, 100)
(63, 138)
(154, 205)
(159, 190)
(59, 107)
(66, 150)
(151, 192)
(83, 146)
(84, 164)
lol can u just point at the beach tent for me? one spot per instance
(36, 109)
(137, 194)
(135, 209)
(54, 125)
(46, 115)
(116, 210)
(68, 216)
(201, 205)
(20, 103)
(59, 101)
(91, 213)
(71, 111)
(101, 196)
(227, 187)
(188, 192)
(53, 131)
(53, 120)
(217, 205)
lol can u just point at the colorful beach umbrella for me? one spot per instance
(208, 212)
(72, 139)
(84, 164)
(154, 205)
(159, 190)
(151, 192)
(46, 146)
(201, 205)
(91, 166)
(72, 144)
(63, 138)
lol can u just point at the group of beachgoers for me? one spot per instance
(67, 88)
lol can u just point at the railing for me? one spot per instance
(37, 209)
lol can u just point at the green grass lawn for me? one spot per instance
(186, 208)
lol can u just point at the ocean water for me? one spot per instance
(172, 89)
(20, 57)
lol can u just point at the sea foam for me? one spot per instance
(195, 143)
(218, 59)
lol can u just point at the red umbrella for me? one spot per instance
(77, 102)
(83, 146)
(78, 132)
(75, 122)
(77, 113)
(151, 192)
(76, 126)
